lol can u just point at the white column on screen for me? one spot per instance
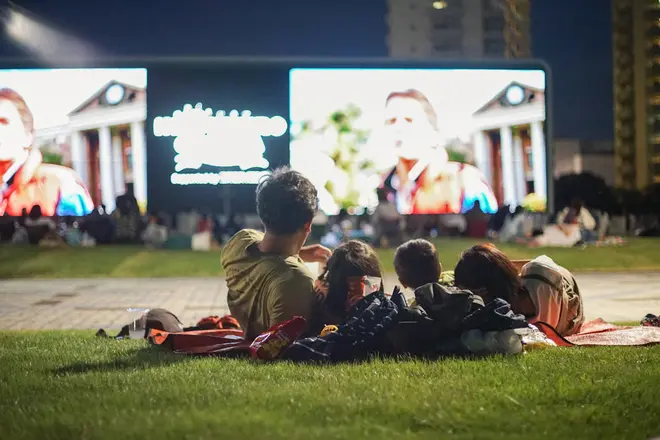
(508, 174)
(482, 154)
(105, 161)
(118, 165)
(519, 167)
(139, 162)
(538, 159)
(79, 155)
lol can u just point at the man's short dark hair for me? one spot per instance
(286, 200)
(416, 263)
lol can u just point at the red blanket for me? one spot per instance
(599, 333)
(191, 340)
(268, 345)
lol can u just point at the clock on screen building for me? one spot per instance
(115, 94)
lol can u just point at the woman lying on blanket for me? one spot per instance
(541, 290)
(342, 283)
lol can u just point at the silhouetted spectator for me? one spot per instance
(386, 220)
(477, 221)
(127, 220)
(38, 226)
(7, 227)
(155, 234)
(99, 226)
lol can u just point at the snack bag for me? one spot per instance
(536, 339)
(359, 287)
(371, 284)
(272, 343)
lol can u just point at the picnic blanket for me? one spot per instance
(448, 322)
(370, 317)
(601, 333)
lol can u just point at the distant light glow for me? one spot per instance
(43, 41)
(443, 4)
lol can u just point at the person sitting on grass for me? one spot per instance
(266, 274)
(155, 234)
(577, 214)
(416, 263)
(541, 290)
(341, 284)
(38, 226)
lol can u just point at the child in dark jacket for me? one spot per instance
(416, 263)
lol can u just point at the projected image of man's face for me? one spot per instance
(14, 138)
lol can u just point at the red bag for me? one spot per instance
(216, 322)
(272, 343)
(186, 341)
(267, 346)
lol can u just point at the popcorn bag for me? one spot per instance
(272, 343)
(359, 287)
(371, 284)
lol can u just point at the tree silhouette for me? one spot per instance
(592, 189)
(348, 139)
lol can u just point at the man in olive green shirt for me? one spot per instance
(266, 274)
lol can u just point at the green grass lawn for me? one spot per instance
(131, 261)
(71, 385)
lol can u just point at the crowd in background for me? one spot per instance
(572, 225)
(124, 225)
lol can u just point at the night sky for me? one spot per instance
(573, 36)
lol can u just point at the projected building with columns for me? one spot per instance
(509, 143)
(105, 142)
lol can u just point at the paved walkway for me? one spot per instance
(102, 303)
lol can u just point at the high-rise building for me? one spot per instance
(636, 46)
(458, 28)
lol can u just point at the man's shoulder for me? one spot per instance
(291, 274)
(247, 236)
(57, 172)
(292, 270)
(244, 239)
(289, 269)
(237, 245)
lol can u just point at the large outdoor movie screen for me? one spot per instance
(71, 139)
(430, 141)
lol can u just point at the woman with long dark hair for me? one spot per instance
(341, 285)
(541, 290)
